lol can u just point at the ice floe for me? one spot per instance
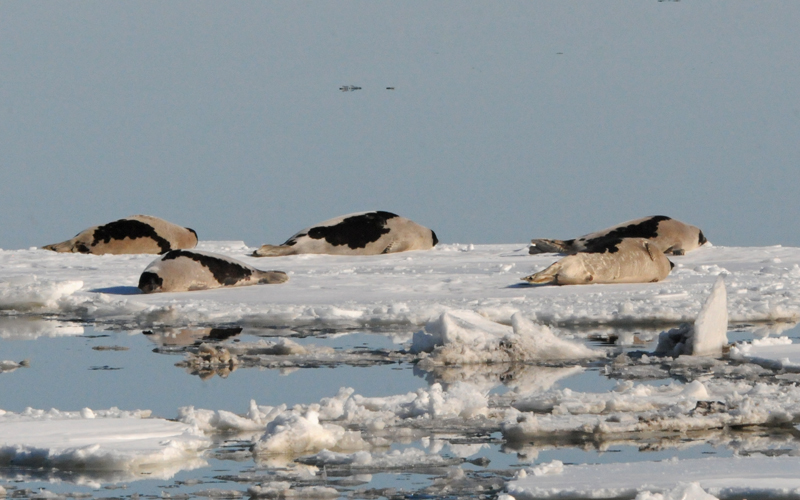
(712, 477)
(104, 445)
(778, 353)
(412, 288)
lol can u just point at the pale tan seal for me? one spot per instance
(363, 233)
(187, 270)
(668, 235)
(132, 235)
(631, 260)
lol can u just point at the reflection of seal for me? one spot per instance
(183, 270)
(668, 235)
(629, 260)
(173, 337)
(366, 233)
(135, 234)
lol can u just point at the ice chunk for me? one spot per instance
(711, 326)
(292, 433)
(465, 337)
(708, 334)
(691, 491)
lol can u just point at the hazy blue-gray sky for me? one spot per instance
(509, 120)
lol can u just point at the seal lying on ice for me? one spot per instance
(184, 270)
(668, 235)
(623, 260)
(131, 235)
(364, 233)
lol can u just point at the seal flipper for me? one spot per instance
(549, 275)
(272, 277)
(273, 251)
(549, 246)
(388, 248)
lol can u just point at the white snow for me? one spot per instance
(716, 476)
(407, 288)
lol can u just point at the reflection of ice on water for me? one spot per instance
(32, 327)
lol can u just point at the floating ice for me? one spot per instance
(323, 425)
(465, 337)
(641, 408)
(101, 443)
(777, 353)
(751, 476)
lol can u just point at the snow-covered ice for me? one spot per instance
(115, 444)
(410, 288)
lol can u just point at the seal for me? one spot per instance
(621, 260)
(132, 235)
(668, 235)
(187, 270)
(363, 233)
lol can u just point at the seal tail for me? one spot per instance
(272, 277)
(272, 251)
(547, 246)
(549, 275)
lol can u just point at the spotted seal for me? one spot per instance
(364, 233)
(668, 235)
(132, 235)
(187, 270)
(624, 260)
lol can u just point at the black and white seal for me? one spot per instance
(364, 233)
(185, 270)
(668, 235)
(131, 235)
(624, 260)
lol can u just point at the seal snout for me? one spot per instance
(150, 282)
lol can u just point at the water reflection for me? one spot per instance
(179, 337)
(33, 327)
(232, 365)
